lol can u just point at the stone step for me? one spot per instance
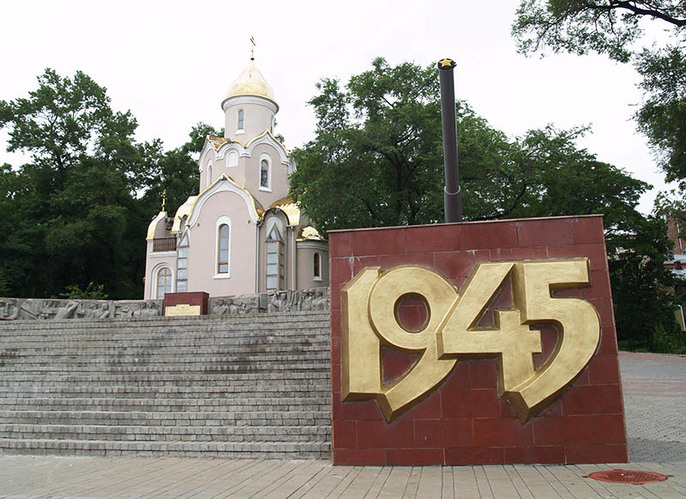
(168, 433)
(171, 367)
(169, 418)
(227, 404)
(233, 450)
(246, 387)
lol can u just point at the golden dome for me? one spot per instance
(251, 82)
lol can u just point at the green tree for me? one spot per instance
(615, 28)
(77, 212)
(76, 218)
(376, 160)
(175, 172)
(642, 288)
(378, 153)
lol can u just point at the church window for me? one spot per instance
(182, 266)
(232, 159)
(317, 267)
(275, 260)
(209, 174)
(164, 282)
(241, 120)
(265, 180)
(223, 234)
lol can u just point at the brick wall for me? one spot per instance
(463, 421)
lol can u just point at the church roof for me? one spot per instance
(251, 82)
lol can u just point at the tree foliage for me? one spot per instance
(77, 211)
(378, 153)
(376, 160)
(615, 28)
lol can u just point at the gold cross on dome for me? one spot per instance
(252, 49)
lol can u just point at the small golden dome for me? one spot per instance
(251, 82)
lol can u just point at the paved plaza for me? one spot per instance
(655, 403)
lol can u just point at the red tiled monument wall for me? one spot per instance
(463, 421)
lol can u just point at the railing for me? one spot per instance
(164, 244)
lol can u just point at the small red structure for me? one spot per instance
(463, 421)
(191, 303)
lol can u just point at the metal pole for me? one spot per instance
(452, 193)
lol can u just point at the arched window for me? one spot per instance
(223, 235)
(275, 260)
(241, 120)
(232, 159)
(209, 174)
(164, 282)
(265, 180)
(182, 266)
(317, 267)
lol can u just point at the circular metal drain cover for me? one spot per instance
(635, 477)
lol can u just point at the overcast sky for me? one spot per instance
(171, 63)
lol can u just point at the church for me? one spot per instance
(241, 234)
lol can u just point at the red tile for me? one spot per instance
(361, 262)
(550, 431)
(344, 434)
(414, 457)
(485, 404)
(588, 230)
(506, 409)
(483, 373)
(498, 432)
(554, 454)
(598, 288)
(395, 364)
(466, 456)
(459, 432)
(336, 380)
(341, 271)
(554, 409)
(430, 239)
(458, 379)
(336, 349)
(456, 266)
(519, 455)
(421, 259)
(336, 297)
(401, 434)
(609, 429)
(340, 244)
(359, 457)
(578, 454)
(456, 404)
(429, 433)
(372, 434)
(389, 241)
(593, 399)
(488, 235)
(545, 232)
(581, 429)
(518, 253)
(603, 370)
(594, 252)
(358, 409)
(412, 313)
(429, 408)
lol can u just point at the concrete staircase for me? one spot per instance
(251, 386)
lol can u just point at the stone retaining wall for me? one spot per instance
(48, 308)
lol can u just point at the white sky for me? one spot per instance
(171, 63)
